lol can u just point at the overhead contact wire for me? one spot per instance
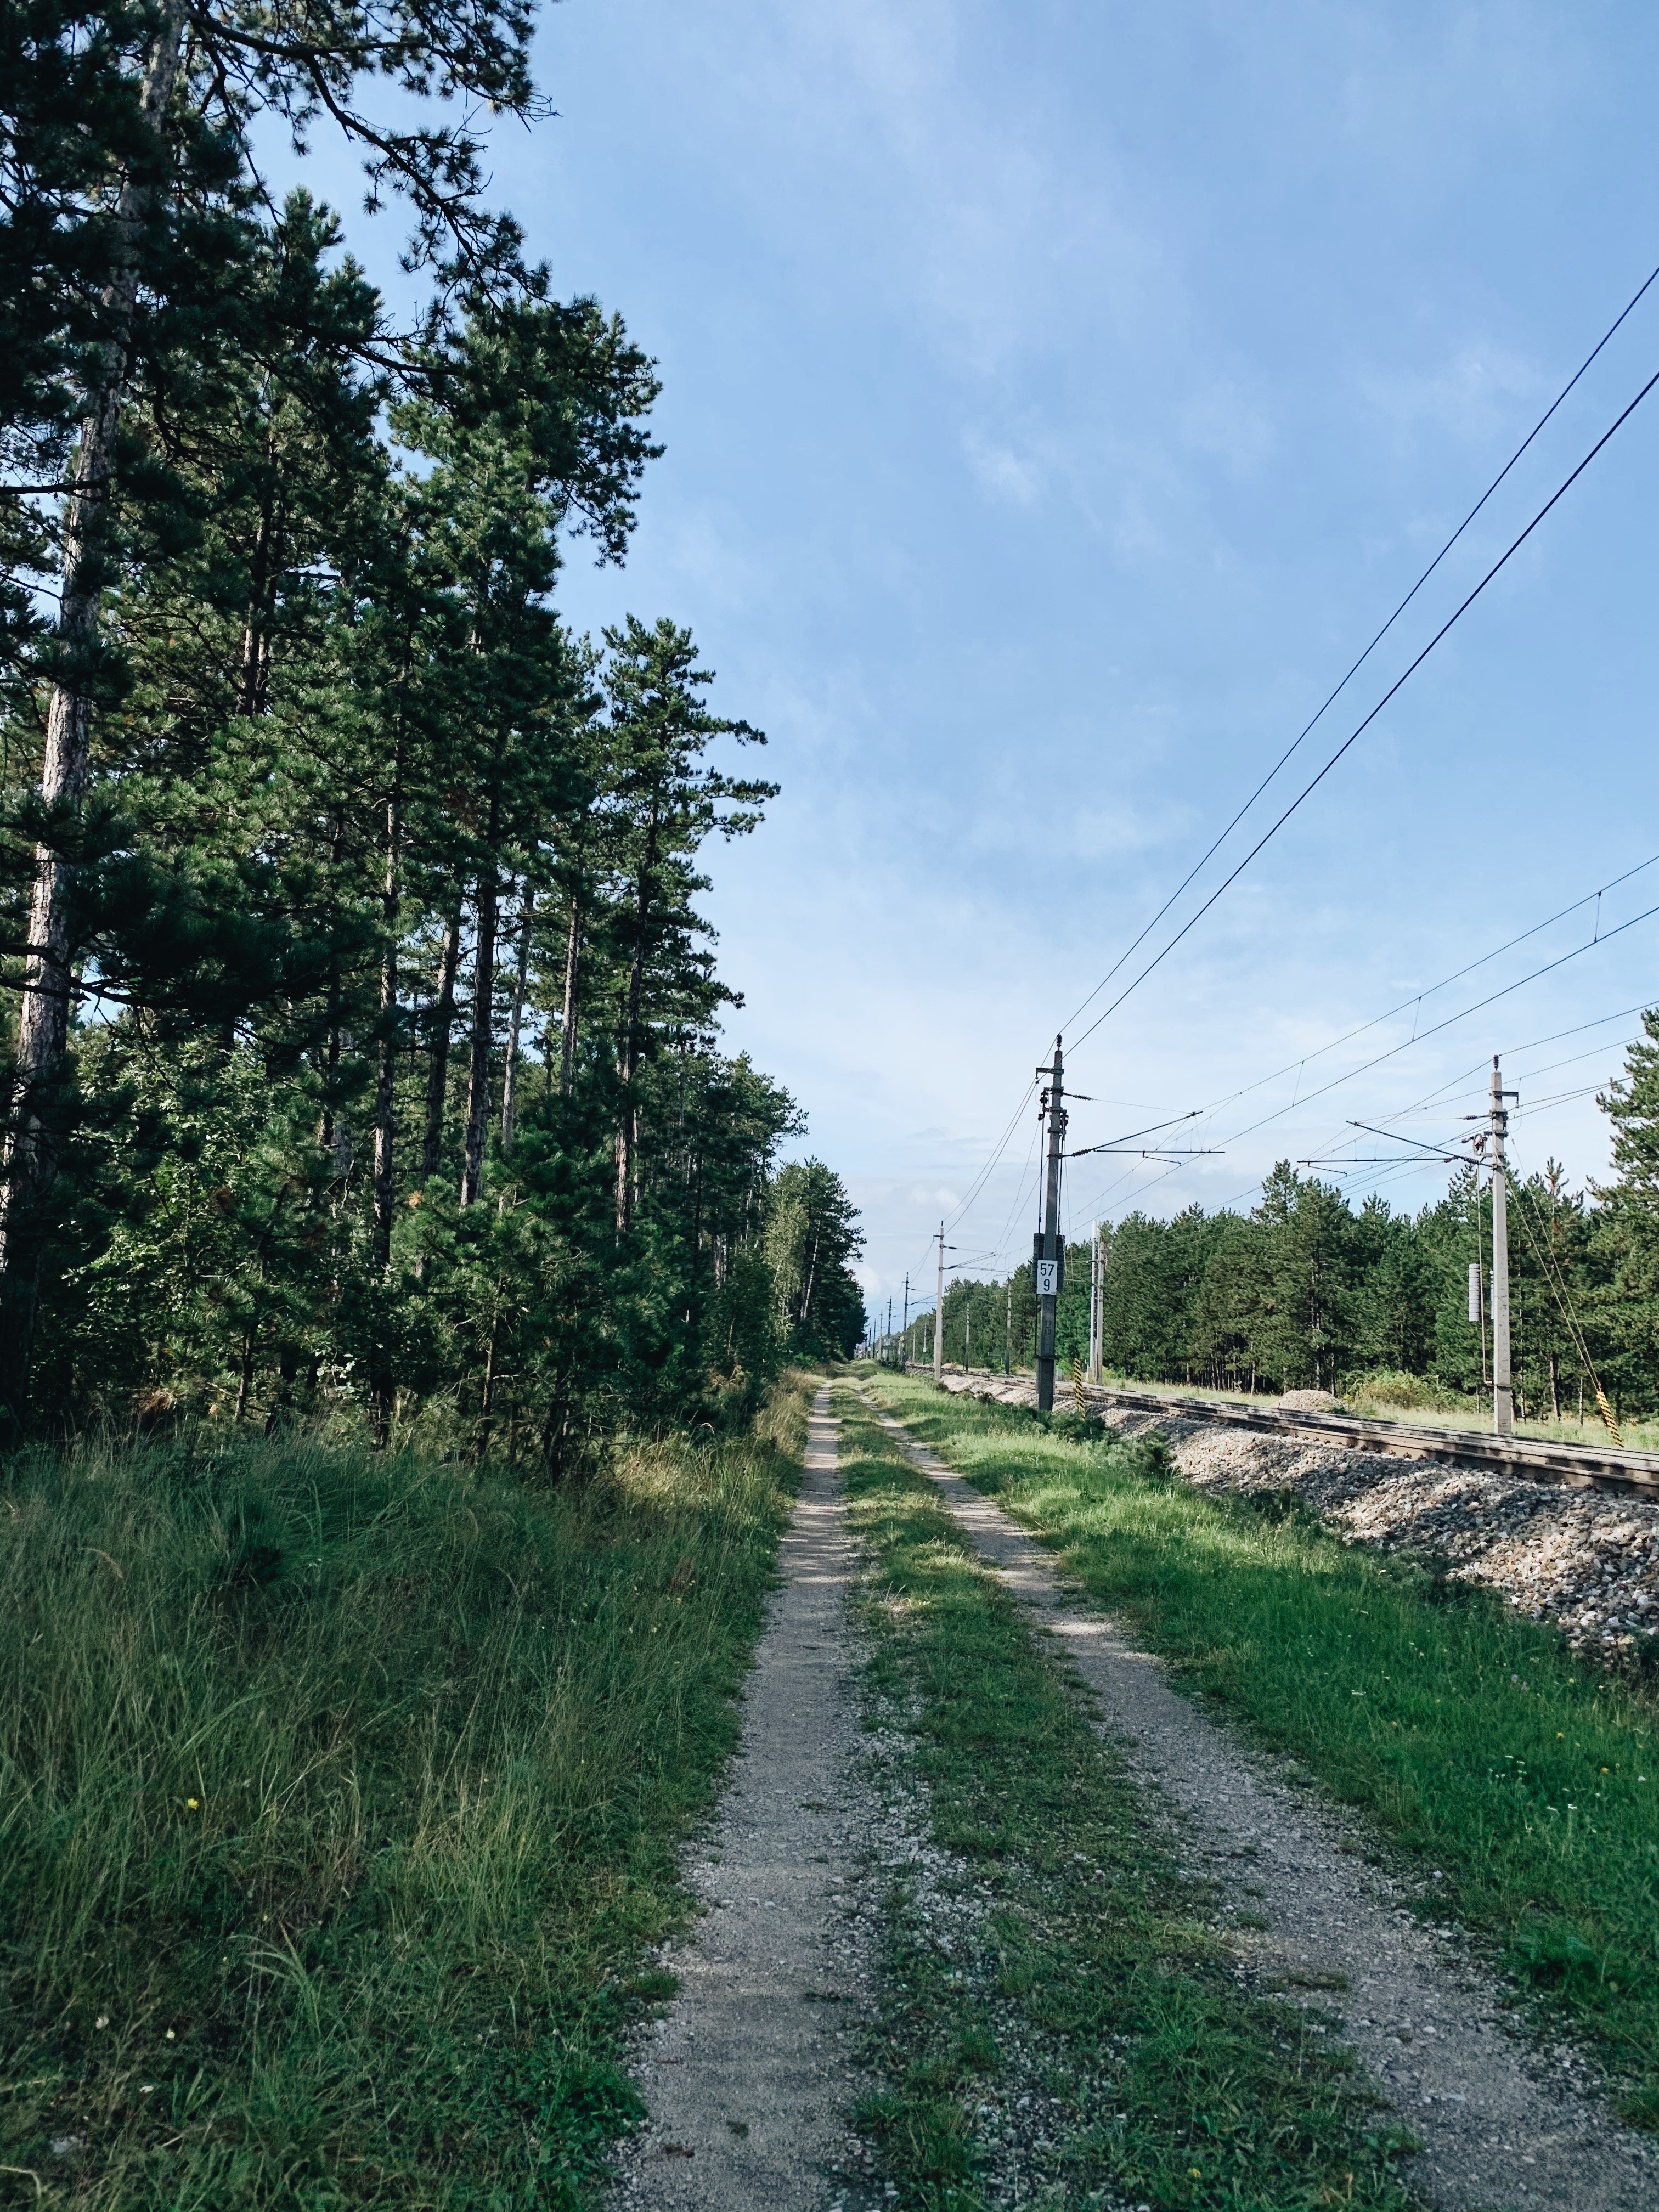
(1354, 735)
(1331, 696)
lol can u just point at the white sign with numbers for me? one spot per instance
(1047, 1279)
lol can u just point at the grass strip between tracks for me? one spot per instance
(339, 1798)
(1050, 1949)
(1524, 1784)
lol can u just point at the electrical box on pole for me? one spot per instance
(1049, 1256)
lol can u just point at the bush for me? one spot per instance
(1399, 1392)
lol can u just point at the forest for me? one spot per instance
(361, 1026)
(1305, 1291)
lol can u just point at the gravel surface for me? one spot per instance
(1504, 2124)
(750, 2076)
(1586, 1561)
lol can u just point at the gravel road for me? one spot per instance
(1501, 2123)
(748, 2076)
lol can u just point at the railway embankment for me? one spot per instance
(1585, 1560)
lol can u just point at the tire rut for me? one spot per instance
(1428, 2027)
(748, 2076)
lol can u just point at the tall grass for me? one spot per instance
(337, 1799)
(1525, 1786)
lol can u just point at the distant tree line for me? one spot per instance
(1305, 1291)
(359, 1021)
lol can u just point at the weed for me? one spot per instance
(338, 1800)
(1468, 1733)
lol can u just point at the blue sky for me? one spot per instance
(1056, 398)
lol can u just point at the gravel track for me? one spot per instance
(1501, 2122)
(749, 2077)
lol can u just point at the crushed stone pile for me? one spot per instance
(1586, 1561)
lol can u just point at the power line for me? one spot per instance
(1354, 735)
(1416, 998)
(1332, 695)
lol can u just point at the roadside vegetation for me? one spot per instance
(1521, 1785)
(1058, 2003)
(1369, 1303)
(339, 1796)
(360, 1044)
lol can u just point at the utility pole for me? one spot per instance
(1048, 1258)
(1097, 1302)
(906, 1361)
(968, 1336)
(939, 1314)
(1503, 1396)
(1008, 1332)
(887, 1341)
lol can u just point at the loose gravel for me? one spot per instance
(1585, 1561)
(750, 2077)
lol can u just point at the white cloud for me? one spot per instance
(1006, 475)
(1469, 396)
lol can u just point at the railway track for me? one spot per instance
(1574, 1466)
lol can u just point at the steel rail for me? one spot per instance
(1534, 1459)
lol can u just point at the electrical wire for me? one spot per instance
(1354, 735)
(1313, 783)
(1331, 696)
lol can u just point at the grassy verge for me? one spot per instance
(1470, 1737)
(1061, 2020)
(337, 1799)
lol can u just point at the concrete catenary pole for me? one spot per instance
(1008, 1332)
(1095, 1302)
(906, 1361)
(1050, 1254)
(939, 1314)
(1502, 1394)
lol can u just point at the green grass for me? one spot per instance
(1469, 1735)
(1096, 1986)
(338, 1801)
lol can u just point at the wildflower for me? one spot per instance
(102, 2020)
(192, 1804)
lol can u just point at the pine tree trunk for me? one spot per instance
(244, 1379)
(627, 1127)
(43, 1019)
(510, 1074)
(442, 1021)
(477, 1074)
(567, 1024)
(380, 1381)
(256, 634)
(385, 1178)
